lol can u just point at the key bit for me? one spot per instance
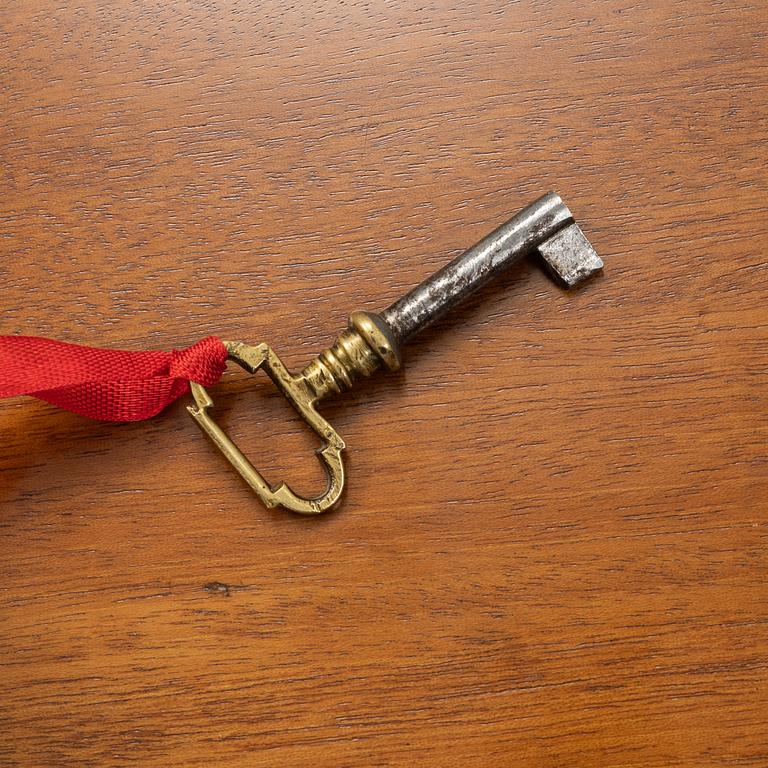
(373, 341)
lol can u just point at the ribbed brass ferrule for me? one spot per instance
(357, 352)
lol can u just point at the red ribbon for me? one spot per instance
(106, 384)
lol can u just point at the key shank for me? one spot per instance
(460, 278)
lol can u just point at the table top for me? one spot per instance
(552, 550)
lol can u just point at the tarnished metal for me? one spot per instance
(534, 227)
(373, 341)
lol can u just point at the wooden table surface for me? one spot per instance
(553, 547)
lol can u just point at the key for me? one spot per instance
(374, 341)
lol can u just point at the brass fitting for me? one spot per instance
(362, 348)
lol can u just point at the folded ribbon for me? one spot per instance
(106, 384)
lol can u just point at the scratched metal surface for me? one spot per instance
(553, 547)
(525, 232)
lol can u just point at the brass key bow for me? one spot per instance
(373, 341)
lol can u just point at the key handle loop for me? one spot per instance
(302, 396)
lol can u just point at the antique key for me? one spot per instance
(373, 341)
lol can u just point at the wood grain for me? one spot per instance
(553, 547)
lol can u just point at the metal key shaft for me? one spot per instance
(546, 225)
(374, 340)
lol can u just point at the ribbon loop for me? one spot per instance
(203, 362)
